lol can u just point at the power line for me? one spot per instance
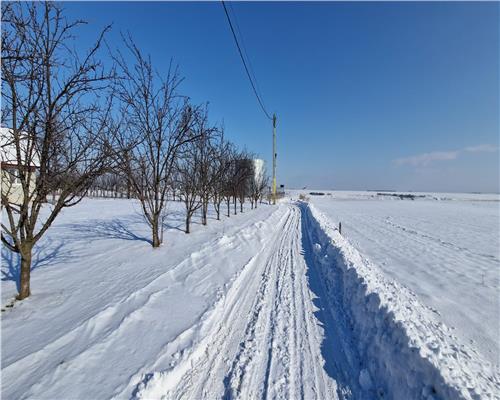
(244, 63)
(245, 52)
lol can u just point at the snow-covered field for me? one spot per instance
(446, 251)
(272, 303)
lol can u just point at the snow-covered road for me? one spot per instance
(266, 342)
(270, 304)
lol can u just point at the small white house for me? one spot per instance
(10, 166)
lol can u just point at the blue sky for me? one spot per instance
(400, 96)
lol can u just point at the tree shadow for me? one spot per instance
(116, 228)
(47, 253)
(121, 228)
(50, 252)
(178, 216)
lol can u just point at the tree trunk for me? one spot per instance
(228, 208)
(234, 201)
(156, 237)
(24, 280)
(204, 211)
(217, 209)
(188, 221)
(241, 206)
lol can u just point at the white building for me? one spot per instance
(11, 184)
(259, 170)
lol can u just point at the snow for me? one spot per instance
(401, 345)
(271, 303)
(263, 341)
(447, 252)
(106, 307)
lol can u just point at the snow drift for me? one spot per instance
(404, 350)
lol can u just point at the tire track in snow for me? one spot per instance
(273, 371)
(190, 375)
(265, 342)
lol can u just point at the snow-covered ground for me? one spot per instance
(447, 252)
(107, 308)
(272, 303)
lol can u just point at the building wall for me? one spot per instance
(259, 170)
(12, 188)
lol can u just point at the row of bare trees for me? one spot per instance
(73, 124)
(212, 170)
(167, 146)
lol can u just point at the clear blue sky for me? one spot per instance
(398, 96)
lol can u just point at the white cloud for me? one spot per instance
(488, 148)
(423, 160)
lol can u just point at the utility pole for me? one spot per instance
(274, 158)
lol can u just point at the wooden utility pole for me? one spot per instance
(274, 158)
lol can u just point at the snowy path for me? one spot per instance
(266, 342)
(270, 304)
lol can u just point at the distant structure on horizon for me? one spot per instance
(259, 166)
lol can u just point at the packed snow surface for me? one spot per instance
(444, 247)
(271, 303)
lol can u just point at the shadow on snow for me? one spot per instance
(341, 361)
(47, 253)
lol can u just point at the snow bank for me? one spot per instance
(405, 350)
(446, 252)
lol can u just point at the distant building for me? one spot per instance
(259, 170)
(11, 184)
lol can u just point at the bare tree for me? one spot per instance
(233, 180)
(257, 185)
(206, 151)
(188, 184)
(187, 178)
(237, 178)
(227, 178)
(110, 184)
(262, 188)
(155, 126)
(221, 165)
(242, 178)
(56, 126)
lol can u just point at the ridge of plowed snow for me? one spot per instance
(405, 351)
